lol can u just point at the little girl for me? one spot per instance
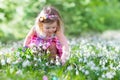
(47, 32)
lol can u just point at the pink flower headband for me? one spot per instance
(51, 17)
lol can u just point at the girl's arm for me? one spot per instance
(65, 46)
(28, 37)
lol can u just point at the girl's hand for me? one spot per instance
(63, 61)
(64, 58)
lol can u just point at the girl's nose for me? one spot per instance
(50, 30)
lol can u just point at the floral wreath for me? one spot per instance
(42, 18)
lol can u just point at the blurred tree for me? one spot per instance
(79, 16)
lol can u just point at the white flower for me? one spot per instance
(96, 68)
(19, 59)
(35, 58)
(19, 11)
(103, 76)
(28, 56)
(91, 63)
(8, 60)
(57, 57)
(57, 63)
(85, 60)
(47, 64)
(100, 78)
(3, 62)
(69, 68)
(17, 54)
(19, 72)
(1, 53)
(77, 72)
(118, 67)
(26, 63)
(34, 50)
(86, 72)
(83, 70)
(80, 68)
(35, 64)
(15, 62)
(110, 75)
(51, 61)
(39, 59)
(80, 60)
(104, 68)
(40, 44)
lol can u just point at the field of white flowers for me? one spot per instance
(90, 59)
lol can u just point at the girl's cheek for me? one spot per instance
(45, 30)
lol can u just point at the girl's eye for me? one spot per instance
(53, 27)
(47, 27)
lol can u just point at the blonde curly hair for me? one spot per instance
(48, 14)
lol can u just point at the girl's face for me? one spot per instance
(49, 29)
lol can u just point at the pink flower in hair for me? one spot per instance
(42, 18)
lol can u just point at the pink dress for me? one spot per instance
(40, 41)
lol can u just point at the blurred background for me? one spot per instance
(81, 17)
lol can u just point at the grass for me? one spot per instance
(90, 59)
